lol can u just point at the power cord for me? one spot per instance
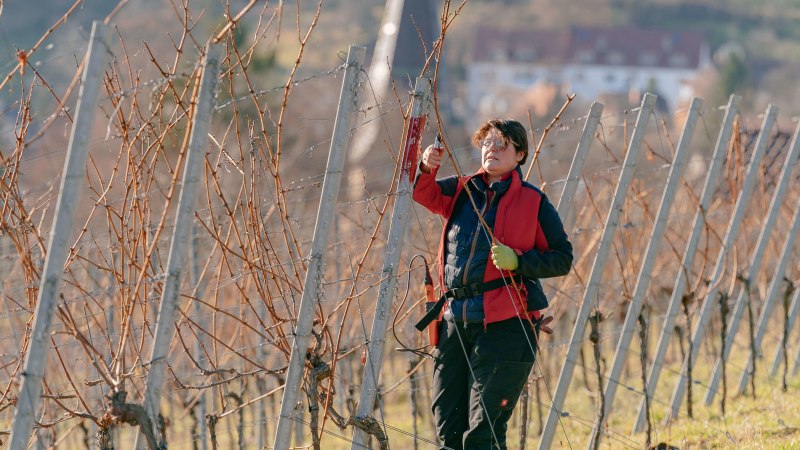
(420, 351)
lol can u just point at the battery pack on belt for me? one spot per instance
(462, 293)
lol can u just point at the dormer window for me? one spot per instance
(525, 54)
(616, 58)
(585, 55)
(648, 59)
(678, 60)
(498, 54)
(524, 77)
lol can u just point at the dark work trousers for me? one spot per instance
(478, 376)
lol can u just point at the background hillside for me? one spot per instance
(767, 32)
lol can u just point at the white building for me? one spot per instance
(590, 62)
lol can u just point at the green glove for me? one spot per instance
(504, 257)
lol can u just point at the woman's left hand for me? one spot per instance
(504, 257)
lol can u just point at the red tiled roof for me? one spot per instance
(492, 44)
(620, 46)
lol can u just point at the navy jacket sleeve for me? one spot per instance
(557, 259)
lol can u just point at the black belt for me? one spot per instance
(472, 290)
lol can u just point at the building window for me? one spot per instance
(524, 54)
(585, 55)
(678, 60)
(616, 58)
(498, 52)
(523, 76)
(648, 59)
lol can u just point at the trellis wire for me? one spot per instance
(688, 257)
(755, 264)
(730, 236)
(653, 246)
(317, 259)
(379, 76)
(57, 248)
(394, 246)
(239, 278)
(778, 280)
(181, 236)
(565, 203)
(611, 223)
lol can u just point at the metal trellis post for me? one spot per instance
(772, 293)
(653, 246)
(397, 230)
(755, 265)
(727, 245)
(201, 408)
(316, 266)
(192, 172)
(796, 368)
(794, 311)
(717, 160)
(593, 285)
(794, 308)
(574, 175)
(565, 202)
(58, 243)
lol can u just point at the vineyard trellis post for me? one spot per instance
(316, 265)
(796, 368)
(195, 155)
(111, 310)
(571, 184)
(593, 285)
(565, 202)
(564, 208)
(645, 271)
(261, 385)
(794, 311)
(777, 282)
(58, 242)
(755, 264)
(397, 230)
(772, 293)
(727, 246)
(198, 290)
(681, 282)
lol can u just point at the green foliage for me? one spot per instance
(260, 63)
(733, 76)
(720, 21)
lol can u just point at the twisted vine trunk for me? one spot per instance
(643, 360)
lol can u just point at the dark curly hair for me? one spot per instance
(510, 129)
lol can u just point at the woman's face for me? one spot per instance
(498, 155)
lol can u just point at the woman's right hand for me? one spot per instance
(431, 159)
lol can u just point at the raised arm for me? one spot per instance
(436, 195)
